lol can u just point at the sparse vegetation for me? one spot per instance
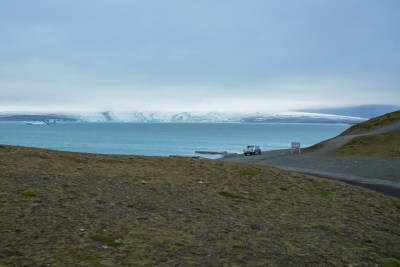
(110, 241)
(379, 144)
(348, 247)
(318, 191)
(373, 124)
(103, 212)
(392, 262)
(219, 246)
(323, 227)
(29, 193)
(249, 172)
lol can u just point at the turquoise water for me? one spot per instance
(163, 139)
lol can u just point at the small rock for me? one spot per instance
(105, 247)
(82, 230)
(143, 182)
(80, 166)
(106, 262)
(199, 181)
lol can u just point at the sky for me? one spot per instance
(198, 55)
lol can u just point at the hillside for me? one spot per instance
(75, 209)
(377, 136)
(373, 124)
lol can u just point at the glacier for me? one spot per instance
(216, 117)
(188, 117)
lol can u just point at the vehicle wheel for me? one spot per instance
(245, 154)
(253, 153)
(259, 153)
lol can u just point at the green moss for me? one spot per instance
(392, 262)
(348, 247)
(266, 240)
(219, 246)
(249, 172)
(309, 236)
(30, 193)
(327, 229)
(318, 191)
(108, 240)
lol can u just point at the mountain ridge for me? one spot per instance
(364, 111)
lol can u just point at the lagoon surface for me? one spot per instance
(163, 139)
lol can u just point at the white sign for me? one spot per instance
(295, 146)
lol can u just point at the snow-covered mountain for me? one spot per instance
(185, 117)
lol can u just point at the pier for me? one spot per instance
(211, 152)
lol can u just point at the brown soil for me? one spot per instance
(94, 210)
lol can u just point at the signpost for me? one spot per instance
(295, 146)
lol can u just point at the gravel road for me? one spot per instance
(377, 173)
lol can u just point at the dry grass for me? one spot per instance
(379, 144)
(92, 208)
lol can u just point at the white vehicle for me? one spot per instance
(251, 150)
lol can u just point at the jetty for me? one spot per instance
(211, 152)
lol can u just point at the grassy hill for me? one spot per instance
(373, 124)
(384, 144)
(387, 145)
(76, 209)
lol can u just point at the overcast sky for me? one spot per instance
(203, 55)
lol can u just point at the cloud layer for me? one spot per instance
(198, 55)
